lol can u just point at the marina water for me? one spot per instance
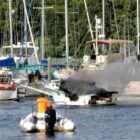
(115, 122)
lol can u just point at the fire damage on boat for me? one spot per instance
(74, 89)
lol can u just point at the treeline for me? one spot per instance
(120, 22)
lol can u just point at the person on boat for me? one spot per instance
(38, 75)
(50, 120)
(42, 103)
(30, 77)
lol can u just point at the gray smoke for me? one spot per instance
(112, 77)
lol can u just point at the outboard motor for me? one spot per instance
(138, 57)
(50, 121)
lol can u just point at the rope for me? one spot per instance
(25, 34)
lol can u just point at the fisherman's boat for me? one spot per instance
(35, 122)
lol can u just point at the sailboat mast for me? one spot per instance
(42, 30)
(28, 22)
(89, 22)
(138, 27)
(103, 17)
(25, 30)
(66, 32)
(90, 28)
(10, 18)
(96, 28)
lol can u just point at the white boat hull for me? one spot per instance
(60, 98)
(63, 73)
(27, 124)
(8, 94)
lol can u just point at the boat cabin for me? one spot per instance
(108, 51)
(5, 79)
(27, 50)
(5, 76)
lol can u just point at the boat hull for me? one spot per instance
(28, 124)
(8, 94)
(61, 99)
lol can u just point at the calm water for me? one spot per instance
(119, 122)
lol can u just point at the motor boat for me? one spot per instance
(86, 99)
(8, 88)
(80, 94)
(35, 122)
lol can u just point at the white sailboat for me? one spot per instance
(28, 52)
(20, 51)
(66, 72)
(103, 47)
(112, 70)
(8, 88)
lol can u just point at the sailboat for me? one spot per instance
(109, 69)
(21, 51)
(28, 52)
(65, 72)
(8, 88)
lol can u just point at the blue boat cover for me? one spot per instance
(7, 62)
(58, 65)
(45, 63)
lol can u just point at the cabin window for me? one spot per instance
(6, 51)
(16, 52)
(31, 44)
(106, 49)
(30, 51)
(5, 79)
(25, 50)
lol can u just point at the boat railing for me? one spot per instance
(66, 107)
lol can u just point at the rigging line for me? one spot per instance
(80, 44)
(34, 11)
(75, 41)
(83, 40)
(25, 34)
(55, 29)
(89, 23)
(128, 20)
(115, 19)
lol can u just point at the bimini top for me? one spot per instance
(111, 41)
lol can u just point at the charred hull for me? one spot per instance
(76, 88)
